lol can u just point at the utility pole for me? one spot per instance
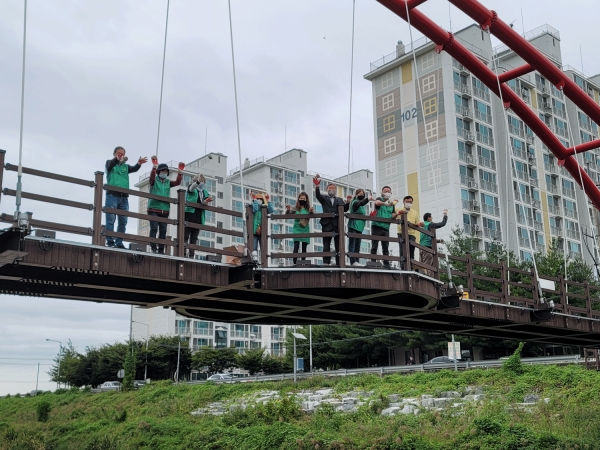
(310, 347)
(178, 353)
(131, 329)
(36, 380)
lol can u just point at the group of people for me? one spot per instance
(385, 208)
(117, 172)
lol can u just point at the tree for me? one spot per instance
(129, 367)
(251, 360)
(215, 360)
(272, 365)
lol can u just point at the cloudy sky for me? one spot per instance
(93, 82)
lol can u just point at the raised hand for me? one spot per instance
(154, 160)
(348, 198)
(288, 207)
(142, 160)
(311, 210)
(445, 212)
(267, 197)
(181, 167)
(317, 180)
(208, 200)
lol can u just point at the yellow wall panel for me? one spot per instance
(407, 72)
(413, 189)
(534, 100)
(546, 219)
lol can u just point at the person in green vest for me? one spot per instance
(161, 185)
(428, 224)
(384, 208)
(300, 225)
(259, 203)
(357, 206)
(117, 175)
(196, 193)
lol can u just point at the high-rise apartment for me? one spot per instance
(444, 138)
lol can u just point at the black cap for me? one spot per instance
(162, 167)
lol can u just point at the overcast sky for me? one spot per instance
(93, 82)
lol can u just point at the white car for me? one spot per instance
(110, 386)
(222, 377)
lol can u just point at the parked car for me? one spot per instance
(110, 386)
(443, 360)
(138, 383)
(221, 377)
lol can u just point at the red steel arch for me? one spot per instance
(488, 20)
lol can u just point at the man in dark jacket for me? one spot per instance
(331, 203)
(426, 257)
(117, 175)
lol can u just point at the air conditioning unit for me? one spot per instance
(473, 184)
(475, 203)
(280, 191)
(524, 92)
(531, 159)
(469, 159)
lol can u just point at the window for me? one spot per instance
(388, 101)
(236, 191)
(220, 180)
(389, 145)
(430, 106)
(211, 185)
(219, 240)
(434, 177)
(431, 130)
(429, 84)
(387, 80)
(219, 195)
(237, 205)
(427, 61)
(237, 222)
(394, 187)
(390, 168)
(433, 153)
(389, 123)
(219, 224)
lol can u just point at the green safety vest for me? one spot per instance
(257, 219)
(357, 224)
(119, 176)
(193, 197)
(162, 188)
(385, 212)
(299, 228)
(426, 240)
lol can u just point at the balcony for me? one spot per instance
(487, 162)
(491, 210)
(492, 234)
(519, 152)
(555, 231)
(277, 337)
(255, 336)
(559, 112)
(573, 234)
(239, 334)
(470, 182)
(529, 138)
(472, 230)
(471, 205)
(543, 89)
(481, 93)
(571, 213)
(484, 117)
(585, 125)
(485, 139)
(540, 248)
(539, 226)
(553, 189)
(525, 243)
(463, 88)
(516, 131)
(183, 330)
(546, 109)
(534, 182)
(203, 331)
(536, 204)
(467, 158)
(462, 69)
(466, 135)
(489, 186)
(574, 255)
(465, 112)
(568, 192)
(551, 168)
(554, 209)
(521, 175)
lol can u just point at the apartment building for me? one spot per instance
(283, 178)
(444, 138)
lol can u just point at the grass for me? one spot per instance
(158, 416)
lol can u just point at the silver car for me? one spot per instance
(110, 386)
(221, 377)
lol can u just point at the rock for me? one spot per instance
(324, 392)
(475, 390)
(390, 411)
(200, 411)
(349, 400)
(396, 404)
(547, 400)
(441, 402)
(393, 397)
(315, 398)
(409, 409)
(263, 399)
(450, 394)
(412, 401)
(531, 398)
(427, 402)
(473, 397)
(425, 396)
(361, 403)
(346, 407)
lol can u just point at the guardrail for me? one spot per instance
(486, 364)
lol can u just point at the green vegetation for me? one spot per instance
(158, 415)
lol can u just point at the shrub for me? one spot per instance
(513, 363)
(43, 411)
(486, 425)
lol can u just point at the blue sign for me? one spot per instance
(300, 364)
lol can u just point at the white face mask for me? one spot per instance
(408, 205)
(331, 193)
(387, 195)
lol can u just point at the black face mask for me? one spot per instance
(302, 202)
(361, 197)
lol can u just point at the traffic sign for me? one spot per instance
(121, 373)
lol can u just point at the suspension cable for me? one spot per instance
(350, 116)
(237, 121)
(20, 170)
(162, 79)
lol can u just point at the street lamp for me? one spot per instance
(147, 333)
(296, 336)
(59, 357)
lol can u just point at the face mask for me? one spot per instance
(387, 195)
(331, 193)
(162, 176)
(361, 197)
(302, 202)
(408, 205)
(201, 186)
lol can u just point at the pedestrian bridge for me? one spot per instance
(494, 301)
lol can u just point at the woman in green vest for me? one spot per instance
(161, 185)
(196, 193)
(428, 224)
(300, 225)
(357, 206)
(259, 203)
